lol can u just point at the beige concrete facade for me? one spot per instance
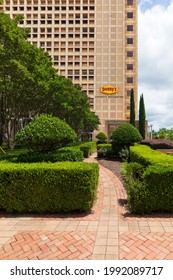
(92, 42)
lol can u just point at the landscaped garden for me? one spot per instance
(43, 175)
(145, 171)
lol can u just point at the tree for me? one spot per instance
(46, 134)
(30, 86)
(68, 102)
(142, 117)
(24, 73)
(90, 123)
(132, 108)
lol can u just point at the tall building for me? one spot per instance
(93, 43)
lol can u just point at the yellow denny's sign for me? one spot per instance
(109, 90)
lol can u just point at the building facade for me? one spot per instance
(93, 43)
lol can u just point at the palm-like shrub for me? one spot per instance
(45, 133)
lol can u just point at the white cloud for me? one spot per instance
(156, 64)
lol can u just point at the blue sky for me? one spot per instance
(155, 36)
(148, 4)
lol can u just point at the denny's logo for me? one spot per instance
(109, 90)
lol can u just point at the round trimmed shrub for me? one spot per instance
(125, 135)
(101, 138)
(45, 134)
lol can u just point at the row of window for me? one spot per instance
(130, 41)
(49, 2)
(63, 36)
(50, 8)
(58, 22)
(58, 2)
(83, 72)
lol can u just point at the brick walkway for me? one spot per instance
(108, 232)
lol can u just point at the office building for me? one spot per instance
(93, 43)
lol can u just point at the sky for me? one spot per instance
(155, 39)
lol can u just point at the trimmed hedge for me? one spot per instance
(158, 143)
(149, 180)
(153, 191)
(47, 187)
(88, 148)
(102, 150)
(64, 154)
(146, 156)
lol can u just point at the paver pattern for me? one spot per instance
(49, 245)
(108, 232)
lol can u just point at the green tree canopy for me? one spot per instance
(30, 86)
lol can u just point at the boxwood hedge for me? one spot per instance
(146, 156)
(152, 192)
(149, 180)
(64, 154)
(47, 187)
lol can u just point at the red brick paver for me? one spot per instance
(49, 245)
(146, 246)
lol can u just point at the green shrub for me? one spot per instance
(45, 133)
(124, 154)
(158, 143)
(138, 197)
(132, 171)
(146, 156)
(93, 146)
(102, 150)
(125, 135)
(64, 154)
(101, 138)
(116, 148)
(104, 145)
(88, 148)
(47, 187)
(153, 193)
(77, 145)
(149, 180)
(159, 182)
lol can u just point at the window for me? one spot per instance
(129, 27)
(129, 80)
(129, 40)
(129, 66)
(129, 53)
(130, 15)
(129, 2)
